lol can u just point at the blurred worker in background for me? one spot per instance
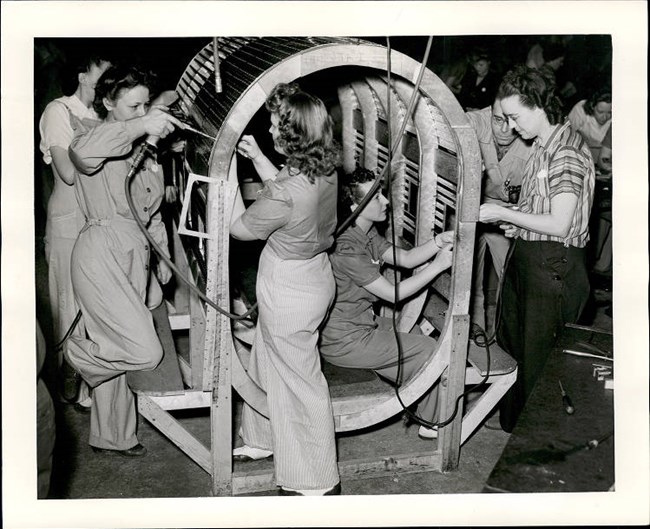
(504, 155)
(64, 218)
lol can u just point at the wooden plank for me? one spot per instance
(179, 321)
(449, 437)
(500, 361)
(181, 292)
(173, 430)
(197, 341)
(184, 401)
(480, 409)
(366, 468)
(221, 198)
(167, 374)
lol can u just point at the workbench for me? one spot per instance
(550, 450)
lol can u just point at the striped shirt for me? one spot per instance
(562, 165)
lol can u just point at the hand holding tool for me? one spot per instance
(566, 401)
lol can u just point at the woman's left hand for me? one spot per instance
(163, 272)
(446, 237)
(491, 213)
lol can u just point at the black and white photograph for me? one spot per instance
(373, 250)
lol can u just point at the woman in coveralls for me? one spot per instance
(296, 213)
(110, 258)
(353, 336)
(545, 282)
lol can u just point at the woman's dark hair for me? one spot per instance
(603, 95)
(117, 79)
(479, 54)
(350, 193)
(535, 88)
(305, 131)
(80, 63)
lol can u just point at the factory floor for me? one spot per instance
(167, 472)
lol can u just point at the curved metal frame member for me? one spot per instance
(295, 58)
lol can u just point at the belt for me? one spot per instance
(113, 221)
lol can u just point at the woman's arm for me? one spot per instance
(420, 254)
(385, 290)
(248, 148)
(91, 148)
(239, 231)
(62, 164)
(556, 223)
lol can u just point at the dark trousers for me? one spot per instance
(545, 285)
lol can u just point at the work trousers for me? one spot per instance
(109, 276)
(377, 350)
(293, 299)
(63, 306)
(545, 285)
(498, 245)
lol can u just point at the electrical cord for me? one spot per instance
(388, 171)
(135, 167)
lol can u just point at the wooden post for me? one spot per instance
(220, 205)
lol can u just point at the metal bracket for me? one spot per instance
(182, 230)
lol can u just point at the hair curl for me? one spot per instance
(535, 88)
(603, 95)
(350, 194)
(305, 131)
(115, 80)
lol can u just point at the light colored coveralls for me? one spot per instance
(64, 218)
(110, 268)
(510, 168)
(353, 336)
(295, 288)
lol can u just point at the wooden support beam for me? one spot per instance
(175, 432)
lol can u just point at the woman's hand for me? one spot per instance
(510, 230)
(446, 237)
(248, 147)
(159, 123)
(178, 146)
(491, 213)
(171, 193)
(163, 272)
(444, 257)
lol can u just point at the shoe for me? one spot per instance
(135, 451)
(70, 382)
(334, 491)
(80, 408)
(428, 433)
(250, 453)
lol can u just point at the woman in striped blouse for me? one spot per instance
(545, 283)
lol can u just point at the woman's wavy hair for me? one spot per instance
(305, 131)
(350, 193)
(117, 79)
(535, 88)
(603, 95)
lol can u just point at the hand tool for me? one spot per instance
(191, 129)
(566, 401)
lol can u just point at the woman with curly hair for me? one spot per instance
(545, 283)
(296, 213)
